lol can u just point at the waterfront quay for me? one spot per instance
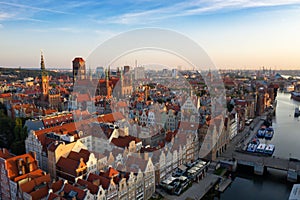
(237, 151)
(196, 191)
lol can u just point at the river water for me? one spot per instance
(273, 184)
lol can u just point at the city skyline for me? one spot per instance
(235, 34)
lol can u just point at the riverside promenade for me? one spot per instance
(196, 191)
(260, 163)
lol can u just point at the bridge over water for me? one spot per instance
(262, 163)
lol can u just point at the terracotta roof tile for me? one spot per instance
(68, 165)
(40, 193)
(78, 155)
(5, 95)
(33, 174)
(80, 193)
(92, 188)
(53, 196)
(99, 180)
(4, 153)
(56, 186)
(29, 186)
(112, 117)
(11, 164)
(111, 172)
(124, 141)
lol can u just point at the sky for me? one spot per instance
(236, 34)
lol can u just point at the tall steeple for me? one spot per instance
(107, 81)
(42, 61)
(45, 79)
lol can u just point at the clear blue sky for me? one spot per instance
(234, 33)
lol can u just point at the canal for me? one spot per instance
(273, 184)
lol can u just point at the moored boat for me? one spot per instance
(261, 132)
(251, 147)
(296, 93)
(269, 133)
(261, 148)
(270, 149)
(296, 96)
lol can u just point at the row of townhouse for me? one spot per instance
(74, 163)
(21, 178)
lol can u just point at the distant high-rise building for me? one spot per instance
(79, 70)
(174, 73)
(139, 73)
(126, 69)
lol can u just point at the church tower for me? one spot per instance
(45, 79)
(108, 89)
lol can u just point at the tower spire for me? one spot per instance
(107, 82)
(45, 79)
(42, 61)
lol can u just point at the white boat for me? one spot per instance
(261, 148)
(252, 147)
(270, 149)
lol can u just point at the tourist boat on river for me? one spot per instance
(253, 145)
(261, 132)
(261, 148)
(270, 149)
(269, 133)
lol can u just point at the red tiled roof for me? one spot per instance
(4, 153)
(40, 193)
(11, 165)
(124, 141)
(33, 174)
(80, 193)
(111, 172)
(105, 182)
(78, 155)
(92, 188)
(54, 196)
(57, 185)
(29, 186)
(68, 165)
(5, 95)
(112, 117)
